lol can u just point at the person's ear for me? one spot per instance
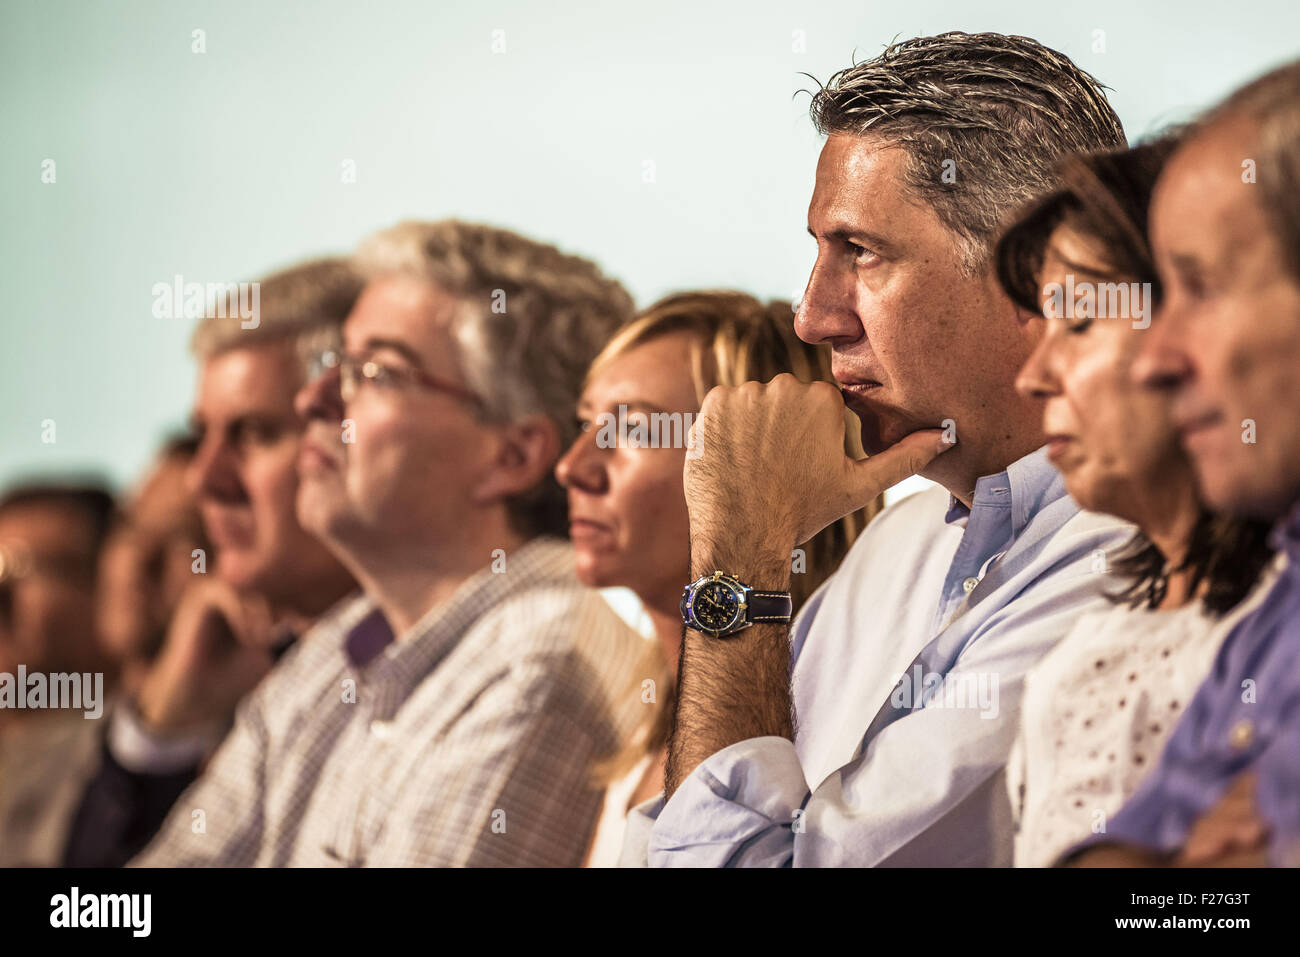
(526, 452)
(1024, 318)
(1031, 321)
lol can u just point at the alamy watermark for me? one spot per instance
(129, 911)
(975, 690)
(76, 691)
(1099, 300)
(194, 300)
(646, 430)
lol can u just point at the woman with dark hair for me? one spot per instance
(1097, 710)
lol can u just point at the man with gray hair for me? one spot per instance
(452, 714)
(908, 663)
(268, 580)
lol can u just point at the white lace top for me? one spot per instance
(1096, 713)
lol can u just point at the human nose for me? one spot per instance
(321, 396)
(580, 466)
(1037, 379)
(826, 310)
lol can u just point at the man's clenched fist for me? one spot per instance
(769, 466)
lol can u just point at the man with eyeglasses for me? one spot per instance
(352, 369)
(453, 713)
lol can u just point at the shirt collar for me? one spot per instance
(398, 666)
(1028, 485)
(367, 639)
(1286, 535)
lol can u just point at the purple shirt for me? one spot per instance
(1246, 714)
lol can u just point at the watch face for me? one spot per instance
(716, 606)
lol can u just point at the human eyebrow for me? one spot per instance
(375, 343)
(857, 237)
(255, 423)
(630, 404)
(643, 405)
(1083, 269)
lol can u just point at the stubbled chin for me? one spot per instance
(237, 567)
(879, 432)
(881, 426)
(869, 427)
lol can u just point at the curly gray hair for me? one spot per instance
(1002, 109)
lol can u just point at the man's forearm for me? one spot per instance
(769, 471)
(736, 688)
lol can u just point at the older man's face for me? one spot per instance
(1227, 339)
(916, 340)
(244, 477)
(393, 468)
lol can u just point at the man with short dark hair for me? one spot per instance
(958, 589)
(50, 540)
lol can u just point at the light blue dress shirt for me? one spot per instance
(890, 770)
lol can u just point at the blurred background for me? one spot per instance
(667, 140)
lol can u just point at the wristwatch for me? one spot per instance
(721, 605)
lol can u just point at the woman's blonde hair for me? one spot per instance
(738, 339)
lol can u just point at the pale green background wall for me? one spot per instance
(222, 165)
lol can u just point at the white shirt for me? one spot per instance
(908, 668)
(1096, 715)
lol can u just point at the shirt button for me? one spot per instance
(969, 584)
(1242, 734)
(383, 730)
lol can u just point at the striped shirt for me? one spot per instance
(468, 742)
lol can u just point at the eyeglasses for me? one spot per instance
(353, 370)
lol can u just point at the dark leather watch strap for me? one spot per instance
(769, 606)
